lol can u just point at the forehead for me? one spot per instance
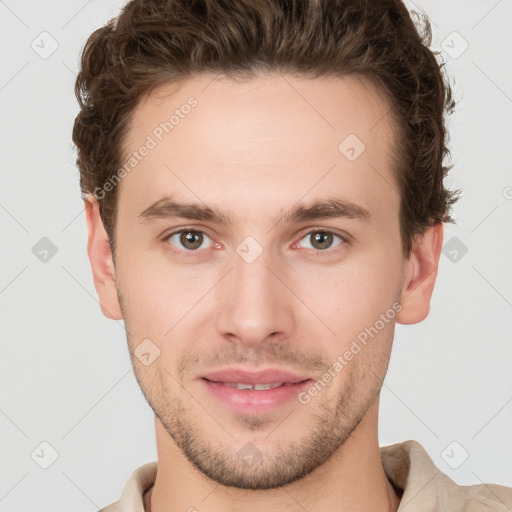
(274, 138)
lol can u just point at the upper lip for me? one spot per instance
(245, 376)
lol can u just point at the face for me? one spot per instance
(260, 232)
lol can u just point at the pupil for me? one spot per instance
(187, 239)
(323, 239)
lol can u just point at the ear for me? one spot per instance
(421, 273)
(100, 256)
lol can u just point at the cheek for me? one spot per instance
(349, 298)
(368, 274)
(152, 299)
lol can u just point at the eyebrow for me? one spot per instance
(167, 208)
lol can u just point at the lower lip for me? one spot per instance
(251, 401)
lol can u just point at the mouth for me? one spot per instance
(239, 376)
(256, 387)
(255, 398)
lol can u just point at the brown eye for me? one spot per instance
(191, 240)
(322, 240)
(187, 239)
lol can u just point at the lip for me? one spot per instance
(246, 401)
(241, 375)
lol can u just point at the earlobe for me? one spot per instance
(421, 276)
(100, 256)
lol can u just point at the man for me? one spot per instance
(264, 196)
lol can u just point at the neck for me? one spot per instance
(352, 479)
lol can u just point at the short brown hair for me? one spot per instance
(155, 42)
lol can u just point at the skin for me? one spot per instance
(253, 150)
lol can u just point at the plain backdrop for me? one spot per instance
(68, 396)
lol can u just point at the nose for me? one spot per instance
(254, 303)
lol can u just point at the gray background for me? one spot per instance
(66, 376)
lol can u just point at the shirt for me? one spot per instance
(424, 488)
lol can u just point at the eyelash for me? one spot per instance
(188, 253)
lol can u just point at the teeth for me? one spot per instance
(261, 387)
(253, 387)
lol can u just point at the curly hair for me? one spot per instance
(157, 42)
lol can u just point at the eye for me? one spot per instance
(189, 239)
(322, 240)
